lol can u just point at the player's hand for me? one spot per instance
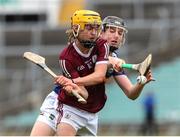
(62, 80)
(149, 76)
(145, 79)
(116, 63)
(74, 87)
(68, 89)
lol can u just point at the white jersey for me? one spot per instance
(114, 54)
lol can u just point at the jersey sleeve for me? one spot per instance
(103, 51)
(67, 68)
(57, 88)
(118, 73)
(111, 72)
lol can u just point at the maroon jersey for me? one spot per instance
(76, 64)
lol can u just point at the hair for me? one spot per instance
(70, 35)
(104, 28)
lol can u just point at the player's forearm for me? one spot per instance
(98, 76)
(91, 79)
(138, 87)
(135, 91)
(130, 90)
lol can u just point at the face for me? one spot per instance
(114, 36)
(90, 32)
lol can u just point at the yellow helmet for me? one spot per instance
(82, 17)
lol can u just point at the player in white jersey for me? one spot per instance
(114, 31)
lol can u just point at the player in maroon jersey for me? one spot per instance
(82, 49)
(85, 61)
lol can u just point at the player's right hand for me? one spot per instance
(116, 63)
(62, 80)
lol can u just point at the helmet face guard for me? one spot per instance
(86, 18)
(88, 44)
(113, 21)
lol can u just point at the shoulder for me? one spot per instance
(102, 45)
(101, 41)
(67, 52)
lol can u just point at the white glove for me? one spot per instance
(141, 79)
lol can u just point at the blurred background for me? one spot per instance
(39, 26)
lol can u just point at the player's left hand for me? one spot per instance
(145, 79)
(149, 76)
(74, 87)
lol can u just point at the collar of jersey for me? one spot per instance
(80, 53)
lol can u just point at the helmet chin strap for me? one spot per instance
(76, 33)
(87, 44)
(112, 48)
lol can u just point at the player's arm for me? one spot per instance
(132, 91)
(66, 80)
(116, 63)
(98, 76)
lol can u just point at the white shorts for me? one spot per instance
(79, 119)
(48, 112)
(54, 112)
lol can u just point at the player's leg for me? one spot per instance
(45, 124)
(69, 120)
(65, 129)
(42, 129)
(72, 120)
(92, 124)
